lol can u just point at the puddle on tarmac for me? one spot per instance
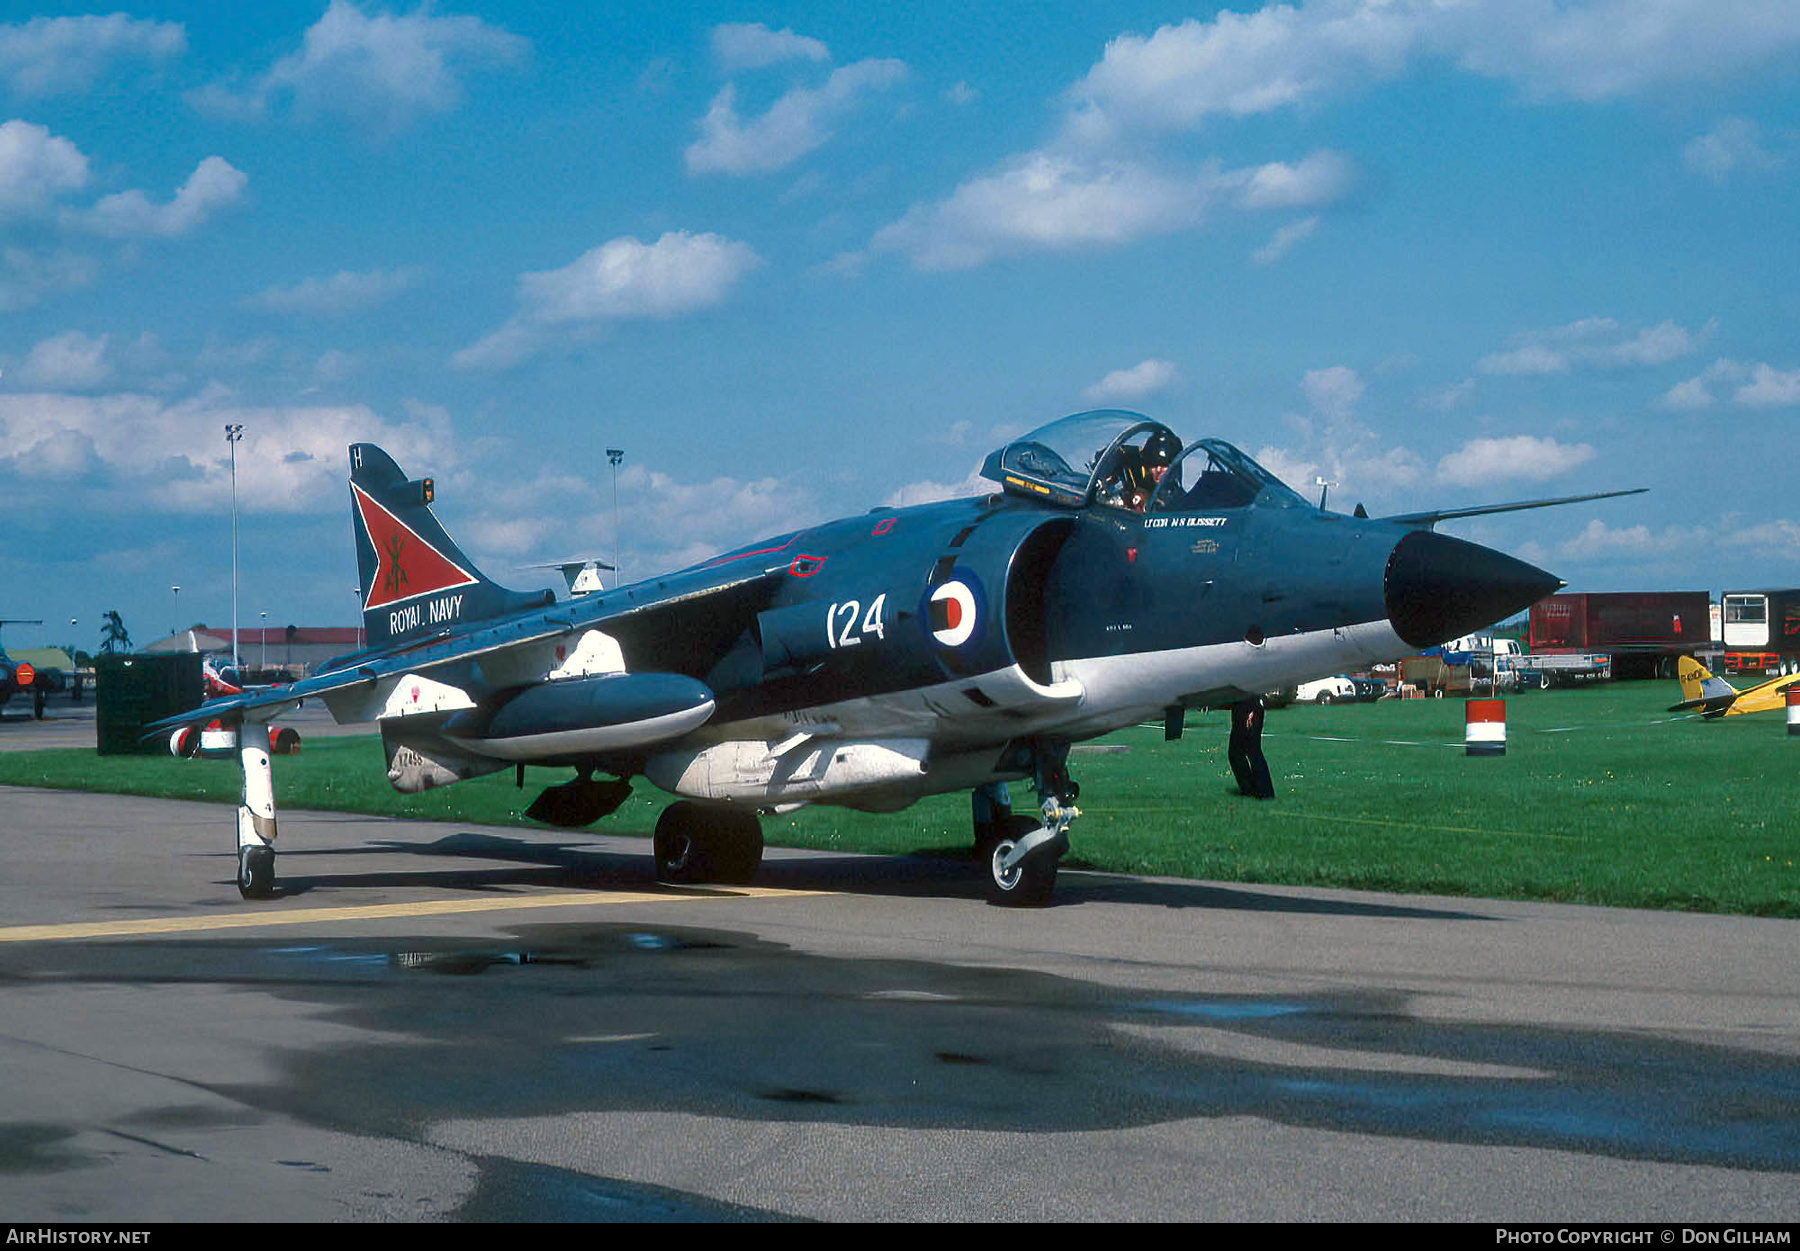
(570, 1018)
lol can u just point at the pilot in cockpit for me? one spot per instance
(1138, 470)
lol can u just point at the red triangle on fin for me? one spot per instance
(406, 566)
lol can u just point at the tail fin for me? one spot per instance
(414, 579)
(1700, 689)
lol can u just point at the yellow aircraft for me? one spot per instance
(1715, 697)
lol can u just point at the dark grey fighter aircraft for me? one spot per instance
(1112, 576)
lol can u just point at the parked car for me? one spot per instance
(1368, 690)
(1332, 690)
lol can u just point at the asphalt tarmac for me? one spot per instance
(437, 1021)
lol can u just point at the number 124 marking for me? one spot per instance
(841, 628)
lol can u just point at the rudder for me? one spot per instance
(1700, 689)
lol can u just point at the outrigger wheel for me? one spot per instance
(256, 872)
(698, 843)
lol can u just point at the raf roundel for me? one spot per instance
(952, 613)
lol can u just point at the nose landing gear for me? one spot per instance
(1019, 865)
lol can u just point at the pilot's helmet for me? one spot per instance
(1161, 449)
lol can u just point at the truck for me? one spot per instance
(1627, 634)
(1431, 675)
(1759, 631)
(1491, 662)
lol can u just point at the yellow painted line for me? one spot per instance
(373, 912)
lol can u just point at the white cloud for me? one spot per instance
(382, 73)
(1734, 143)
(1320, 178)
(1453, 396)
(1334, 445)
(625, 278)
(1293, 468)
(1046, 201)
(343, 292)
(1780, 535)
(36, 167)
(214, 184)
(1559, 349)
(1687, 396)
(931, 492)
(1057, 199)
(1142, 379)
(1242, 64)
(751, 45)
(621, 279)
(1769, 387)
(49, 56)
(1517, 457)
(960, 93)
(1357, 468)
(27, 276)
(668, 523)
(797, 123)
(1533, 358)
(1333, 391)
(1758, 386)
(1598, 540)
(1656, 345)
(67, 362)
(172, 457)
(1605, 49)
(1284, 240)
(1285, 56)
(1288, 56)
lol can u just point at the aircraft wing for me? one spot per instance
(1430, 519)
(1765, 696)
(641, 609)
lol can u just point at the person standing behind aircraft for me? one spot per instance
(1245, 750)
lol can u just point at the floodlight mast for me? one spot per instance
(613, 456)
(234, 434)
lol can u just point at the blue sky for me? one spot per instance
(803, 260)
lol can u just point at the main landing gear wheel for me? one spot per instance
(1029, 882)
(256, 872)
(695, 843)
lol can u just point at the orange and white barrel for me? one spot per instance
(1793, 709)
(1484, 727)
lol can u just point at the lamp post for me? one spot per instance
(613, 456)
(176, 628)
(264, 665)
(234, 434)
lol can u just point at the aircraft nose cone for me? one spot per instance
(1439, 588)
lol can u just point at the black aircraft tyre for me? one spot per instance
(256, 872)
(1027, 884)
(694, 843)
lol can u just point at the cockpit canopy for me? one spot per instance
(1125, 460)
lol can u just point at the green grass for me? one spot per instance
(1601, 798)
